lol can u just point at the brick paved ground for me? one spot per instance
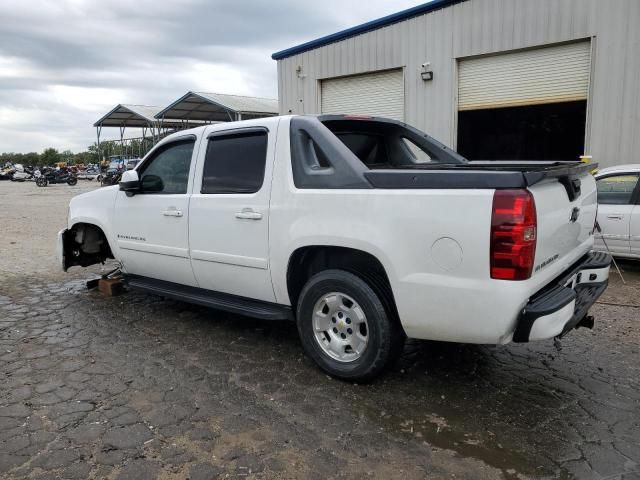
(140, 387)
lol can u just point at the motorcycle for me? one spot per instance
(22, 174)
(55, 176)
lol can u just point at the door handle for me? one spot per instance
(615, 216)
(248, 214)
(172, 212)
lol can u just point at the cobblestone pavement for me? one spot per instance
(136, 387)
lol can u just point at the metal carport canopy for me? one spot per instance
(218, 107)
(135, 116)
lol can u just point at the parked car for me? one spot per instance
(363, 230)
(619, 210)
(132, 163)
(90, 174)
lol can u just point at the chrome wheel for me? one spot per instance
(340, 327)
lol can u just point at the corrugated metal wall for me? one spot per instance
(479, 27)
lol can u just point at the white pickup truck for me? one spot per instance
(362, 230)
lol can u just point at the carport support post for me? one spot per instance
(98, 131)
(122, 147)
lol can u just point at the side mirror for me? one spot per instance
(130, 183)
(150, 183)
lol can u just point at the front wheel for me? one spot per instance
(345, 328)
(72, 181)
(41, 181)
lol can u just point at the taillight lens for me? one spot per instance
(513, 234)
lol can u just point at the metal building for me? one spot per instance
(517, 79)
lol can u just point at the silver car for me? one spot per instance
(619, 210)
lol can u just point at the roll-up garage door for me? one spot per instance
(379, 94)
(530, 77)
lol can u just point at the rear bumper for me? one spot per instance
(563, 305)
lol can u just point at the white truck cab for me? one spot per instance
(362, 230)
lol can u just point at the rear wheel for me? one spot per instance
(345, 328)
(41, 182)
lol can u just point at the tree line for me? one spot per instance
(51, 156)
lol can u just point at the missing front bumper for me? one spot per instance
(563, 305)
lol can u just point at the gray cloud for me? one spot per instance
(64, 64)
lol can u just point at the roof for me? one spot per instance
(217, 107)
(366, 27)
(129, 116)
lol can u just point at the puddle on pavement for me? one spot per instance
(436, 431)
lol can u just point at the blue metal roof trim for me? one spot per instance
(366, 27)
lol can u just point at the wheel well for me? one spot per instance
(307, 261)
(86, 244)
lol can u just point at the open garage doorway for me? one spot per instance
(554, 131)
(524, 105)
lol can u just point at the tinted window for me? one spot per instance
(171, 164)
(235, 163)
(616, 189)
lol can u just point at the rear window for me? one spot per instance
(370, 149)
(384, 144)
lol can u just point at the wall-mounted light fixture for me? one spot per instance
(426, 73)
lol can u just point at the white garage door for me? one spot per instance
(531, 77)
(379, 94)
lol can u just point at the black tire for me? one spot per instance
(385, 335)
(72, 181)
(41, 182)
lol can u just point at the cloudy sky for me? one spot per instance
(65, 63)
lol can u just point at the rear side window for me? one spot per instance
(616, 189)
(235, 163)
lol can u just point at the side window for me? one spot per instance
(168, 171)
(235, 163)
(616, 189)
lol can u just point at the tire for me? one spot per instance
(383, 333)
(72, 181)
(41, 182)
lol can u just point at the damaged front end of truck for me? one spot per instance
(82, 245)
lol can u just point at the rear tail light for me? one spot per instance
(513, 234)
